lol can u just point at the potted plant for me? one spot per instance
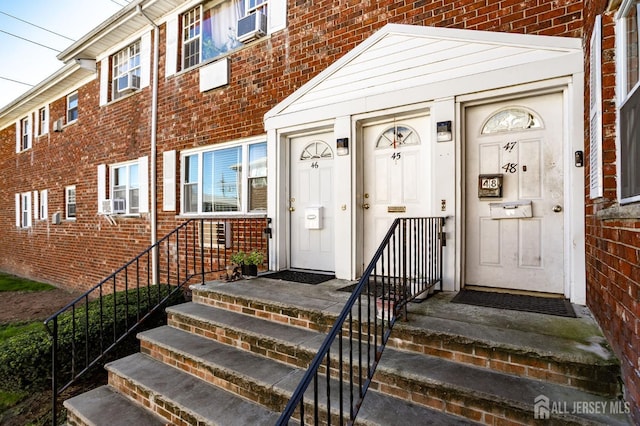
(248, 262)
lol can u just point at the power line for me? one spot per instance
(30, 41)
(15, 81)
(37, 26)
(115, 2)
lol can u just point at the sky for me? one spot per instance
(25, 62)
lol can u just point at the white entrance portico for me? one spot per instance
(401, 116)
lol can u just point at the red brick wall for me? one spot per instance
(612, 245)
(78, 254)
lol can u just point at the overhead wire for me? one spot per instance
(16, 81)
(37, 26)
(30, 41)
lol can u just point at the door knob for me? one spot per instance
(365, 206)
(557, 208)
(292, 209)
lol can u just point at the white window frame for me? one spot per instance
(624, 95)
(23, 204)
(127, 188)
(25, 133)
(244, 178)
(72, 111)
(43, 121)
(251, 6)
(44, 205)
(68, 203)
(126, 63)
(191, 33)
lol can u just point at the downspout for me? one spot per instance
(154, 131)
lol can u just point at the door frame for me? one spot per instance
(574, 274)
(359, 122)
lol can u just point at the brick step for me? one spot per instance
(516, 352)
(479, 394)
(268, 382)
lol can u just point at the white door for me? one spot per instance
(506, 246)
(396, 178)
(311, 203)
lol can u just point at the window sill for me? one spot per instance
(219, 215)
(224, 55)
(122, 98)
(618, 212)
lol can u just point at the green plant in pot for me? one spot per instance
(248, 262)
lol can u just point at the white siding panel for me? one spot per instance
(143, 178)
(390, 78)
(102, 185)
(277, 15)
(171, 54)
(18, 130)
(18, 210)
(145, 59)
(36, 206)
(169, 181)
(104, 81)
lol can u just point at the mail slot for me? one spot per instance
(510, 210)
(313, 217)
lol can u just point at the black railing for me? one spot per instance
(407, 264)
(197, 250)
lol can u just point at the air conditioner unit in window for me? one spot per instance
(118, 206)
(106, 206)
(252, 26)
(128, 82)
(58, 124)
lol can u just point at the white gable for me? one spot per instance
(403, 64)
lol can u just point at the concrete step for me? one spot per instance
(271, 383)
(561, 359)
(104, 406)
(182, 398)
(479, 394)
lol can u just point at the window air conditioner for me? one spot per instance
(58, 124)
(55, 218)
(252, 26)
(118, 206)
(128, 82)
(106, 206)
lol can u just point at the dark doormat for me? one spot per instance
(299, 277)
(516, 302)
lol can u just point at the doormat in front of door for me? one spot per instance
(516, 302)
(299, 277)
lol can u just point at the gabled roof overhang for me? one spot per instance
(406, 64)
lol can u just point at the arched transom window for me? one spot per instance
(511, 119)
(316, 150)
(396, 136)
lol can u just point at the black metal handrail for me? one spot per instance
(407, 263)
(194, 251)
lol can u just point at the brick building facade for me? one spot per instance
(44, 166)
(612, 219)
